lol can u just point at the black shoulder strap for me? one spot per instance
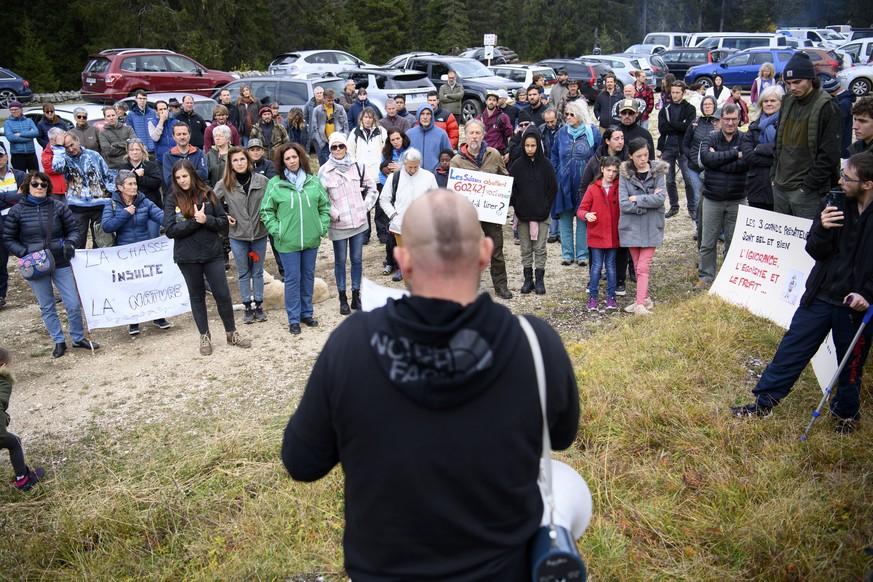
(51, 224)
(395, 180)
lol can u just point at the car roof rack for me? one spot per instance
(121, 51)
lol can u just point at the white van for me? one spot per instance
(861, 51)
(671, 40)
(821, 36)
(741, 41)
(695, 37)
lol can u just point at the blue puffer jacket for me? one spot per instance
(130, 228)
(22, 143)
(139, 121)
(569, 157)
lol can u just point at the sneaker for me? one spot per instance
(648, 303)
(592, 303)
(162, 323)
(630, 308)
(133, 329)
(294, 328)
(2, 302)
(33, 477)
(206, 344)
(641, 310)
(846, 425)
(610, 303)
(387, 270)
(309, 321)
(517, 241)
(582, 263)
(248, 316)
(567, 262)
(553, 239)
(753, 410)
(671, 213)
(398, 276)
(620, 290)
(235, 339)
(259, 313)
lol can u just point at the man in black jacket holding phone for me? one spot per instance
(839, 290)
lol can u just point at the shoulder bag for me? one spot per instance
(37, 265)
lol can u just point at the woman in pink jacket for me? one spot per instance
(352, 194)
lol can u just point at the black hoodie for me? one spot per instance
(432, 409)
(535, 185)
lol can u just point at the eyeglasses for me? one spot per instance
(845, 179)
(730, 119)
(36, 184)
(569, 114)
(81, 117)
(337, 146)
(628, 113)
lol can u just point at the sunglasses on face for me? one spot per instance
(337, 146)
(81, 117)
(36, 184)
(568, 114)
(524, 124)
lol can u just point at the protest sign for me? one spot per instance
(765, 271)
(489, 193)
(130, 283)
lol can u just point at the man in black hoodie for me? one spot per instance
(431, 404)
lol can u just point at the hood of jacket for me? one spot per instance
(532, 131)
(441, 354)
(658, 168)
(418, 117)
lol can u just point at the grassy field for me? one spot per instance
(681, 490)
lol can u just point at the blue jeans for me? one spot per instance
(598, 258)
(579, 252)
(340, 252)
(697, 184)
(45, 296)
(809, 327)
(554, 227)
(670, 156)
(299, 283)
(251, 278)
(323, 155)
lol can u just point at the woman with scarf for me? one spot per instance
(534, 188)
(758, 146)
(296, 212)
(395, 146)
(365, 144)
(352, 193)
(242, 190)
(248, 106)
(574, 145)
(718, 90)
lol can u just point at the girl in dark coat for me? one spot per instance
(534, 189)
(758, 146)
(194, 218)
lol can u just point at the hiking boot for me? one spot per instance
(398, 276)
(620, 290)
(294, 328)
(344, 303)
(528, 284)
(503, 292)
(259, 313)
(592, 303)
(235, 339)
(30, 479)
(540, 281)
(162, 323)
(133, 329)
(753, 410)
(309, 321)
(248, 314)
(206, 344)
(846, 425)
(356, 299)
(610, 303)
(671, 213)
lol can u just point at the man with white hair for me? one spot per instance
(441, 452)
(476, 155)
(391, 119)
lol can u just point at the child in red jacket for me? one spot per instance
(599, 207)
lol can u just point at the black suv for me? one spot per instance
(589, 74)
(473, 75)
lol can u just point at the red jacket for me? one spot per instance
(603, 232)
(447, 122)
(59, 184)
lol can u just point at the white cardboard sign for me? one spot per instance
(489, 193)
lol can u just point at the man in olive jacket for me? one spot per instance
(452, 95)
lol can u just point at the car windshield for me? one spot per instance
(470, 69)
(829, 35)
(404, 82)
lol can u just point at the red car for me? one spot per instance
(117, 73)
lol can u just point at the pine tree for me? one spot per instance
(32, 60)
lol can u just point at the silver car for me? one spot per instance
(858, 80)
(384, 83)
(307, 64)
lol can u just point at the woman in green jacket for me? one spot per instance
(296, 212)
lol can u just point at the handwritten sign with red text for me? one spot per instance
(489, 193)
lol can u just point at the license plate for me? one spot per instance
(90, 81)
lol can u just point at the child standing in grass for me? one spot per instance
(24, 477)
(599, 207)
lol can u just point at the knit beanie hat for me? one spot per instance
(799, 67)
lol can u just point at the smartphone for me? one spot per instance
(837, 199)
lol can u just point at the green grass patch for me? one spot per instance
(681, 490)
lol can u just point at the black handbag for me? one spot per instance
(37, 265)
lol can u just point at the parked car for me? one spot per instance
(117, 73)
(12, 87)
(473, 75)
(740, 68)
(645, 49)
(860, 50)
(825, 62)
(680, 60)
(822, 37)
(589, 74)
(478, 53)
(315, 63)
(203, 106)
(287, 91)
(858, 80)
(524, 74)
(622, 66)
(859, 33)
(401, 61)
(384, 83)
(653, 65)
(671, 40)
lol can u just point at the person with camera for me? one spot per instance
(441, 451)
(839, 290)
(352, 193)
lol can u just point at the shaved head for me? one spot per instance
(443, 245)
